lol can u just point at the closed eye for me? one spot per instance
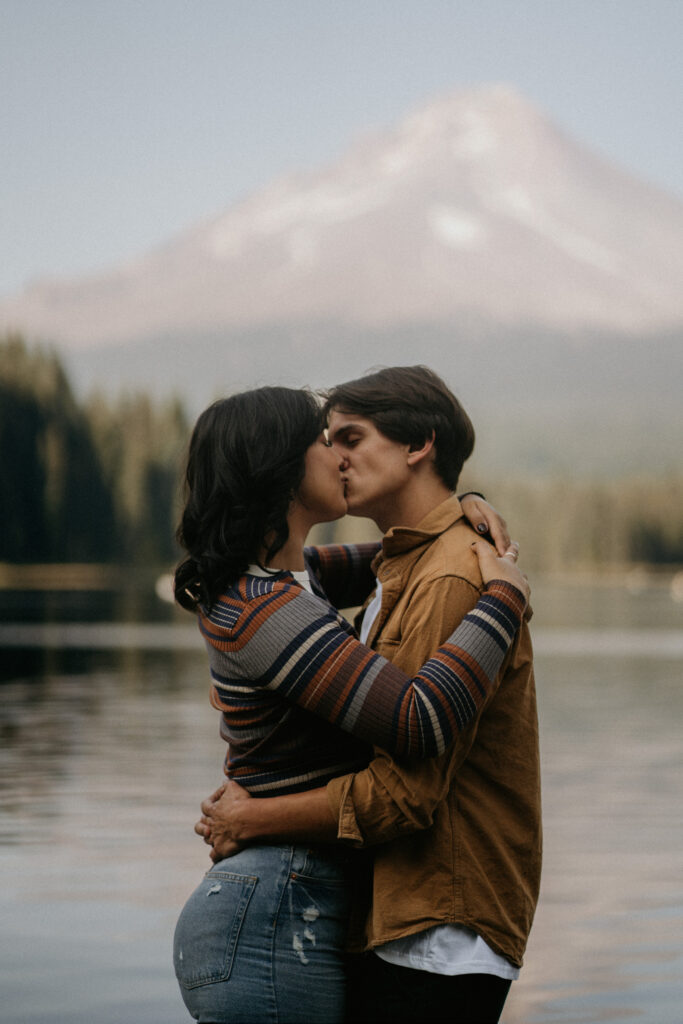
(343, 440)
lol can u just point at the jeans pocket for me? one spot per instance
(208, 928)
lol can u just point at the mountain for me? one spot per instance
(475, 236)
(475, 204)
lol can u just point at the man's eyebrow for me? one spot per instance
(348, 428)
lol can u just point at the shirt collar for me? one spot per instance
(399, 539)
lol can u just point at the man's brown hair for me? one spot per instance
(409, 404)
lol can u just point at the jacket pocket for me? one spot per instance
(208, 928)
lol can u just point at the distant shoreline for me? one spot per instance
(104, 576)
(76, 576)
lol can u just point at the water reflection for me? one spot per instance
(610, 922)
(107, 748)
(100, 775)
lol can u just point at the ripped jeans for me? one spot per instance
(262, 938)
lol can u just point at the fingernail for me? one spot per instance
(482, 528)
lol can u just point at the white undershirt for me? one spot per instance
(371, 613)
(446, 948)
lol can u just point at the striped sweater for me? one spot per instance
(302, 699)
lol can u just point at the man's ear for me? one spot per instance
(416, 455)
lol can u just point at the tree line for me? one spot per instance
(93, 481)
(99, 480)
(587, 524)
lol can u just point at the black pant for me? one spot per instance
(382, 993)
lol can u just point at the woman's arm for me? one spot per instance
(485, 520)
(287, 641)
(344, 571)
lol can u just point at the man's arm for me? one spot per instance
(369, 807)
(232, 819)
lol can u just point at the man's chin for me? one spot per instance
(354, 508)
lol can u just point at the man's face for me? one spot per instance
(375, 469)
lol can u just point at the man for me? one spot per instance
(457, 840)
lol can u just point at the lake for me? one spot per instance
(109, 743)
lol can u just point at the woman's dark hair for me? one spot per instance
(245, 464)
(410, 404)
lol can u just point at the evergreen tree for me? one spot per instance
(54, 498)
(101, 482)
(140, 448)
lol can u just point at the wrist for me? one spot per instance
(508, 592)
(252, 822)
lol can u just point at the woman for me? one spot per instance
(301, 698)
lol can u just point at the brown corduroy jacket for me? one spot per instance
(460, 835)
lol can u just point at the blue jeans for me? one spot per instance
(262, 938)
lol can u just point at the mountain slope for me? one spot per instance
(543, 283)
(475, 210)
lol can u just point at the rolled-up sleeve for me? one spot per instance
(388, 799)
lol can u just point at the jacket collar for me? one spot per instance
(399, 539)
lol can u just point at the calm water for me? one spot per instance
(108, 744)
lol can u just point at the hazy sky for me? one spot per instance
(125, 121)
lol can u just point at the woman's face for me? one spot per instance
(321, 493)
